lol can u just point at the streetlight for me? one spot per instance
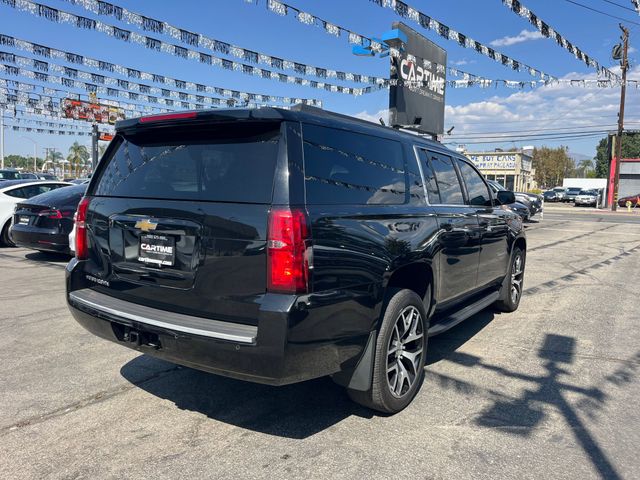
(35, 152)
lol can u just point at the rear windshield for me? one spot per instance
(61, 196)
(227, 163)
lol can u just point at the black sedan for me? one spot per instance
(44, 222)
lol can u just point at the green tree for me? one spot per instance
(78, 155)
(584, 168)
(552, 165)
(630, 149)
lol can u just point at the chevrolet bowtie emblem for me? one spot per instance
(146, 225)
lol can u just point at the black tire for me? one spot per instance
(5, 238)
(380, 396)
(509, 301)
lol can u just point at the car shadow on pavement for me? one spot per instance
(48, 257)
(293, 411)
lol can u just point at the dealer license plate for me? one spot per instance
(157, 250)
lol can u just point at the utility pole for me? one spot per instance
(1, 138)
(623, 92)
(95, 134)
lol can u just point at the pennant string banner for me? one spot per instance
(99, 7)
(546, 30)
(405, 11)
(185, 102)
(43, 123)
(60, 16)
(49, 131)
(44, 66)
(24, 91)
(636, 4)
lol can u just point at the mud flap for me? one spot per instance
(363, 373)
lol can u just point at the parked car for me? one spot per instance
(589, 198)
(552, 196)
(532, 200)
(521, 209)
(634, 199)
(44, 222)
(11, 193)
(571, 194)
(80, 181)
(233, 255)
(29, 175)
(47, 176)
(562, 192)
(9, 174)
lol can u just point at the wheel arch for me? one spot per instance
(418, 277)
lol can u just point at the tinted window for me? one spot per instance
(429, 178)
(62, 196)
(349, 168)
(9, 175)
(476, 188)
(232, 163)
(446, 179)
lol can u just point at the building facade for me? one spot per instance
(513, 169)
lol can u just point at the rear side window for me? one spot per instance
(352, 169)
(227, 163)
(476, 188)
(449, 188)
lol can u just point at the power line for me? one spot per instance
(621, 6)
(542, 136)
(601, 12)
(543, 129)
(536, 120)
(514, 140)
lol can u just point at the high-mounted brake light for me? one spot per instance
(288, 262)
(82, 240)
(168, 116)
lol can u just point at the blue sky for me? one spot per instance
(469, 110)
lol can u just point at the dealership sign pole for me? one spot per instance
(625, 65)
(1, 138)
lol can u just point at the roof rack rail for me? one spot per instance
(299, 107)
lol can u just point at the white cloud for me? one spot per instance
(555, 107)
(632, 50)
(523, 36)
(374, 117)
(549, 107)
(460, 63)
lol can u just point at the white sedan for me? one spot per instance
(15, 191)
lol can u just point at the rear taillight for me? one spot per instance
(287, 256)
(56, 214)
(82, 242)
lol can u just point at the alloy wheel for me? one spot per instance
(404, 351)
(517, 273)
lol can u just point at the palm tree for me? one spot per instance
(78, 154)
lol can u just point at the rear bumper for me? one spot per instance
(262, 354)
(38, 239)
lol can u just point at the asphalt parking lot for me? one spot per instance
(550, 391)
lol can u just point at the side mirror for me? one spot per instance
(505, 197)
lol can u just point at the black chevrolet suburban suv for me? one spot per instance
(277, 246)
